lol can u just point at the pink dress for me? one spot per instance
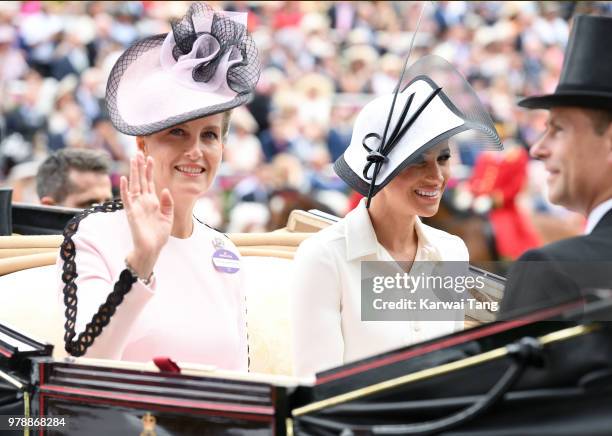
(192, 312)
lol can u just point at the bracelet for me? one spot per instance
(146, 281)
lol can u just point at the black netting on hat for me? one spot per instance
(241, 77)
(184, 31)
(112, 86)
(232, 37)
(479, 129)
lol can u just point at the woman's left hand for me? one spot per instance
(150, 217)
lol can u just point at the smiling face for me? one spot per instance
(577, 158)
(187, 157)
(418, 189)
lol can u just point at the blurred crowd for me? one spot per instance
(322, 61)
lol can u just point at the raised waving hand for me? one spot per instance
(150, 217)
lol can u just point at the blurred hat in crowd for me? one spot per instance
(248, 217)
(587, 68)
(359, 36)
(391, 63)
(271, 79)
(22, 178)
(243, 119)
(321, 48)
(315, 85)
(361, 53)
(66, 86)
(511, 9)
(207, 64)
(486, 35)
(314, 22)
(394, 130)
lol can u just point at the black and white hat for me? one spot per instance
(207, 64)
(392, 131)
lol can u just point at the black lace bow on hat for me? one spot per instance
(228, 36)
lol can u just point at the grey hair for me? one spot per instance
(52, 179)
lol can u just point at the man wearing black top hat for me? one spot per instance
(577, 153)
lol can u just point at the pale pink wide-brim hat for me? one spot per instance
(207, 64)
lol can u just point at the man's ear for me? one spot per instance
(47, 201)
(140, 143)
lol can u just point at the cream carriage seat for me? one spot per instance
(29, 300)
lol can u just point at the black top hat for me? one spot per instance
(586, 77)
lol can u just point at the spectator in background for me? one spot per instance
(315, 99)
(358, 73)
(242, 152)
(74, 178)
(341, 127)
(282, 134)
(497, 181)
(68, 125)
(29, 115)
(12, 62)
(342, 16)
(261, 106)
(104, 137)
(90, 93)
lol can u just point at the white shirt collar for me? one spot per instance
(361, 239)
(596, 215)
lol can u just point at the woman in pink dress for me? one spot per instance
(143, 277)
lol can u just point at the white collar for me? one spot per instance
(597, 214)
(361, 237)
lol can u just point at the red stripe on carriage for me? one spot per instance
(116, 398)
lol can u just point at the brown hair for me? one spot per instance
(601, 119)
(53, 180)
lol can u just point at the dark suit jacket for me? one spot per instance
(560, 271)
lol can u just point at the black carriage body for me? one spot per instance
(565, 390)
(100, 400)
(34, 219)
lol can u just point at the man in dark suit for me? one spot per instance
(577, 153)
